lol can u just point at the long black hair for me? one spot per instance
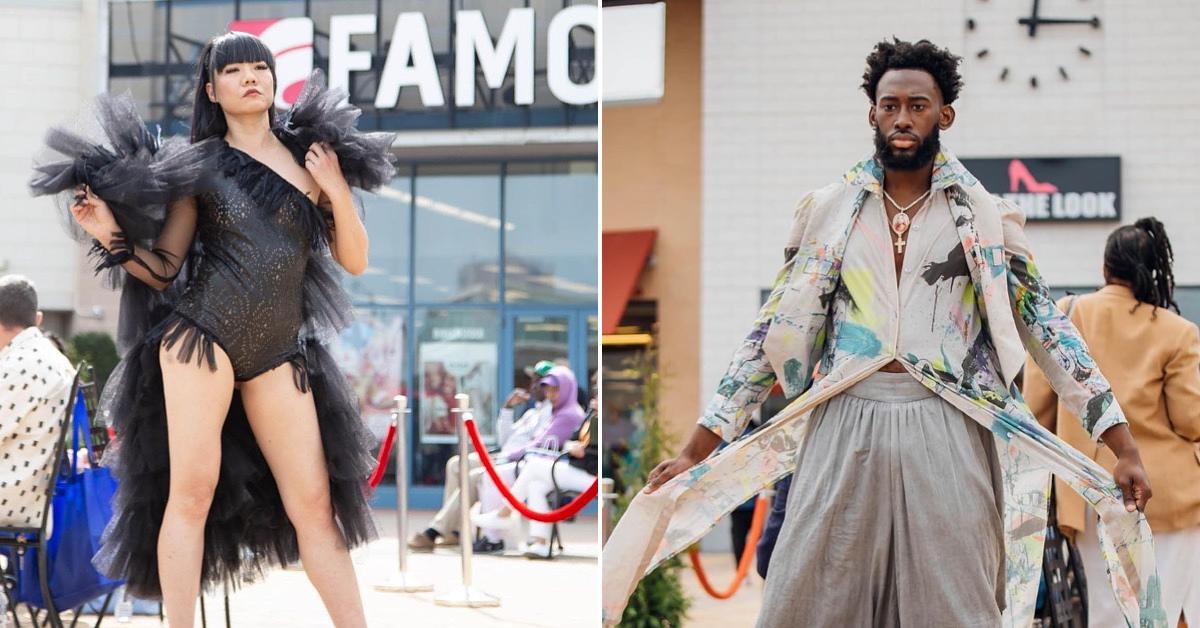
(1140, 254)
(207, 118)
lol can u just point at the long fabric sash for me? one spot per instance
(659, 525)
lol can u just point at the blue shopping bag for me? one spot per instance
(80, 510)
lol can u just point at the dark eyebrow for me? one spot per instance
(913, 97)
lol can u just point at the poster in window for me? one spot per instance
(448, 368)
(370, 353)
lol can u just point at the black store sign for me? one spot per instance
(1058, 189)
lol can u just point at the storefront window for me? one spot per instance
(388, 212)
(456, 352)
(536, 338)
(457, 233)
(551, 232)
(370, 352)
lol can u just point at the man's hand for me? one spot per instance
(517, 397)
(1131, 477)
(699, 446)
(667, 470)
(1129, 473)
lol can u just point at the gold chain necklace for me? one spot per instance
(901, 221)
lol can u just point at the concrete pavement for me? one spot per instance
(561, 593)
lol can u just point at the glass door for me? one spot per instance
(566, 336)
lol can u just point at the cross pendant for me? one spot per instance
(899, 245)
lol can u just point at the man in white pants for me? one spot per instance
(443, 528)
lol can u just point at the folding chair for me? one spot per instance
(24, 538)
(560, 497)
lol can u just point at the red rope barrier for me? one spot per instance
(385, 450)
(761, 505)
(566, 512)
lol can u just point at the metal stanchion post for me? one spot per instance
(403, 580)
(607, 502)
(467, 594)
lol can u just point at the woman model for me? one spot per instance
(1151, 356)
(239, 445)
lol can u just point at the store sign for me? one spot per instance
(1067, 189)
(410, 61)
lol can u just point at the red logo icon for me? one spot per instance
(291, 41)
(1018, 175)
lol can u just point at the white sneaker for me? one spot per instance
(492, 520)
(539, 549)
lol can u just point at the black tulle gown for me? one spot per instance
(258, 282)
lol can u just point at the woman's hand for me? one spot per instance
(93, 215)
(575, 448)
(321, 161)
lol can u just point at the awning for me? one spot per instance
(624, 254)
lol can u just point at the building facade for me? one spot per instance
(484, 247)
(1077, 121)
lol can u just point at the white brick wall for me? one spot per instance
(783, 114)
(47, 67)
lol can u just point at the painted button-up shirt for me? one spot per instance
(913, 316)
(35, 381)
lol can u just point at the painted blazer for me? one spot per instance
(787, 343)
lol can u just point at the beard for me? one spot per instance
(910, 159)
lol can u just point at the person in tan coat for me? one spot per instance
(1151, 357)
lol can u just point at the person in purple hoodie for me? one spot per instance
(561, 389)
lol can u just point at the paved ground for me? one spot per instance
(562, 593)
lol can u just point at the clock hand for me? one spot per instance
(1032, 22)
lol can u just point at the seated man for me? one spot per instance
(443, 528)
(35, 383)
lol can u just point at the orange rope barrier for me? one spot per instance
(761, 506)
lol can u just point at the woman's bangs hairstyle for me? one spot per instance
(207, 118)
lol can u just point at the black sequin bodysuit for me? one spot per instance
(246, 292)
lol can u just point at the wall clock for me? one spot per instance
(1038, 20)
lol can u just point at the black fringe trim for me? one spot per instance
(269, 189)
(194, 341)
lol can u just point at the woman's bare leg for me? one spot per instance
(197, 401)
(284, 421)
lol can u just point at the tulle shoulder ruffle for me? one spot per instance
(323, 115)
(135, 171)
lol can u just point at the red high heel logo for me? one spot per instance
(1019, 175)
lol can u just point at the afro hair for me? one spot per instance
(922, 55)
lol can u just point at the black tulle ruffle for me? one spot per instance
(247, 531)
(322, 115)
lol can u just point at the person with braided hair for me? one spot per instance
(1151, 356)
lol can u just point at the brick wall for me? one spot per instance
(783, 114)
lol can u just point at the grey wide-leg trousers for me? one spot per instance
(894, 517)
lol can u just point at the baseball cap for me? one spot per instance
(540, 369)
